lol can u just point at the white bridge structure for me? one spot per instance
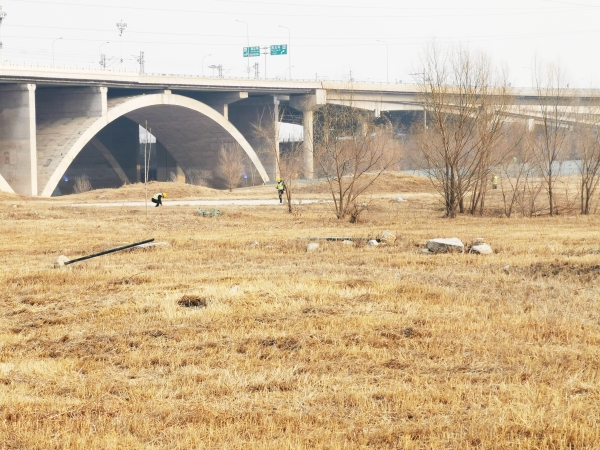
(56, 119)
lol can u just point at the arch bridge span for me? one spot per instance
(57, 123)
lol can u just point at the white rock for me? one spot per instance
(398, 200)
(372, 243)
(234, 290)
(426, 250)
(479, 241)
(387, 236)
(312, 247)
(482, 249)
(60, 261)
(445, 245)
(347, 242)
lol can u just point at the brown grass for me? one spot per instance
(345, 347)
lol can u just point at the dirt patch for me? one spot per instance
(188, 301)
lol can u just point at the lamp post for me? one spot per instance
(57, 39)
(121, 27)
(285, 73)
(205, 56)
(288, 49)
(102, 58)
(2, 16)
(247, 43)
(387, 61)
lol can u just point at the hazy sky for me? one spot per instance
(330, 39)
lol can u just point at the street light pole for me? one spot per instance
(203, 62)
(288, 49)
(121, 27)
(57, 39)
(387, 61)
(102, 60)
(247, 43)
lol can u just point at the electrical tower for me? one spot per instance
(256, 72)
(121, 27)
(140, 60)
(265, 52)
(219, 68)
(2, 16)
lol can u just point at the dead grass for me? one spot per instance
(345, 347)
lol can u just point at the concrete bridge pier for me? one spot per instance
(18, 163)
(257, 119)
(308, 104)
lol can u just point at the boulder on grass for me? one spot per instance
(372, 243)
(482, 249)
(445, 245)
(312, 247)
(388, 237)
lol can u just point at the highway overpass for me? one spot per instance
(53, 119)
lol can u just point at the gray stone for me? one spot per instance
(445, 245)
(388, 237)
(60, 261)
(427, 251)
(347, 242)
(482, 249)
(479, 241)
(312, 247)
(372, 243)
(398, 200)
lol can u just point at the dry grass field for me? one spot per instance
(346, 347)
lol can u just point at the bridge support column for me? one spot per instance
(307, 104)
(258, 120)
(167, 168)
(18, 160)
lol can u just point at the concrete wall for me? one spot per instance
(18, 164)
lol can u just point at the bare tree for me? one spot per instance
(465, 99)
(82, 184)
(231, 165)
(519, 181)
(352, 149)
(288, 157)
(549, 139)
(588, 151)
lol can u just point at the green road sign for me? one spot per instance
(278, 50)
(251, 51)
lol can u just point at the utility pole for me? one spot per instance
(219, 69)
(102, 55)
(247, 43)
(265, 52)
(387, 60)
(256, 72)
(2, 16)
(141, 61)
(57, 39)
(289, 49)
(205, 56)
(121, 27)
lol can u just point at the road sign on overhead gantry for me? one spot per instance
(251, 51)
(278, 50)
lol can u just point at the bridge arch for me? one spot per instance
(191, 131)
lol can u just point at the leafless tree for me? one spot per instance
(465, 99)
(588, 151)
(519, 178)
(231, 164)
(352, 149)
(288, 159)
(549, 138)
(82, 184)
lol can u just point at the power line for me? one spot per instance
(448, 12)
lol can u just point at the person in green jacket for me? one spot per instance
(280, 189)
(494, 181)
(157, 198)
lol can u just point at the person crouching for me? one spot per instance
(157, 198)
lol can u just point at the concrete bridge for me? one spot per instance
(55, 120)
